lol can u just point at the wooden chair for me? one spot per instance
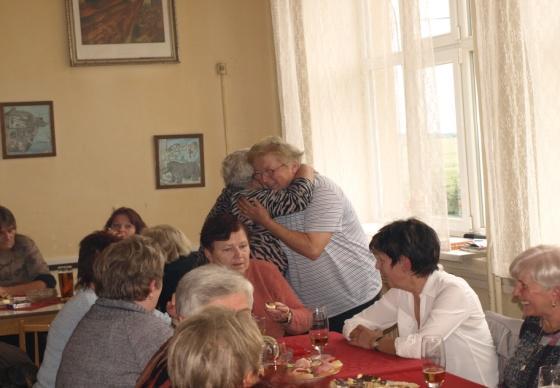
(34, 328)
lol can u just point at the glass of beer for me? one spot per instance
(319, 333)
(433, 360)
(66, 282)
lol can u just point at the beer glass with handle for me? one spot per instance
(319, 333)
(433, 360)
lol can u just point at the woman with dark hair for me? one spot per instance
(119, 334)
(226, 242)
(22, 266)
(124, 222)
(66, 320)
(424, 300)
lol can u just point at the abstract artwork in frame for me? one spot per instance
(179, 161)
(27, 129)
(102, 32)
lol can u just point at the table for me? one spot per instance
(357, 360)
(9, 319)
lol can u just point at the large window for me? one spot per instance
(447, 23)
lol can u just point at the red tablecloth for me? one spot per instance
(358, 360)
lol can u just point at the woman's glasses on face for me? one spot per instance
(269, 173)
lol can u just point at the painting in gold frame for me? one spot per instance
(102, 32)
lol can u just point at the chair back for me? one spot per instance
(34, 328)
(505, 334)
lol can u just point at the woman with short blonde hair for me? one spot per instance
(216, 348)
(179, 258)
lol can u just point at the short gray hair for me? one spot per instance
(236, 169)
(541, 262)
(202, 285)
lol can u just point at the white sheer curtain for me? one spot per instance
(516, 42)
(357, 92)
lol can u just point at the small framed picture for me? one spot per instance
(179, 161)
(121, 31)
(27, 129)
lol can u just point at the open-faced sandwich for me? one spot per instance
(270, 305)
(315, 367)
(368, 381)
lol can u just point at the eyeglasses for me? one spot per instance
(269, 173)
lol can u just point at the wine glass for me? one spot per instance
(269, 356)
(433, 360)
(319, 333)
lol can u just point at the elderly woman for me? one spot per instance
(22, 267)
(177, 249)
(328, 259)
(217, 348)
(207, 285)
(225, 241)
(119, 334)
(124, 222)
(238, 178)
(537, 275)
(424, 300)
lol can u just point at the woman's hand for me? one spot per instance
(253, 210)
(279, 313)
(363, 337)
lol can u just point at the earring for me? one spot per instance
(553, 304)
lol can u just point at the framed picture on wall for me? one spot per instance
(104, 32)
(179, 161)
(27, 129)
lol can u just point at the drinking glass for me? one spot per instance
(433, 360)
(319, 333)
(66, 282)
(269, 356)
(549, 376)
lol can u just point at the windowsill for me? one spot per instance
(459, 255)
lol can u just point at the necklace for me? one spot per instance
(534, 352)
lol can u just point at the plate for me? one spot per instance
(368, 381)
(298, 376)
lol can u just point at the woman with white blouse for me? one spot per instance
(424, 300)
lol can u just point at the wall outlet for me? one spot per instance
(221, 68)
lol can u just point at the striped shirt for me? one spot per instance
(344, 276)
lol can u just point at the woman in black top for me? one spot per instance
(179, 258)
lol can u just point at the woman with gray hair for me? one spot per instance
(209, 285)
(216, 348)
(537, 288)
(238, 178)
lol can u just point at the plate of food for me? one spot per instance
(369, 381)
(307, 370)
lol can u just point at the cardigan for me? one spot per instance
(111, 345)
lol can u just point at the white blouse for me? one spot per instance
(449, 308)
